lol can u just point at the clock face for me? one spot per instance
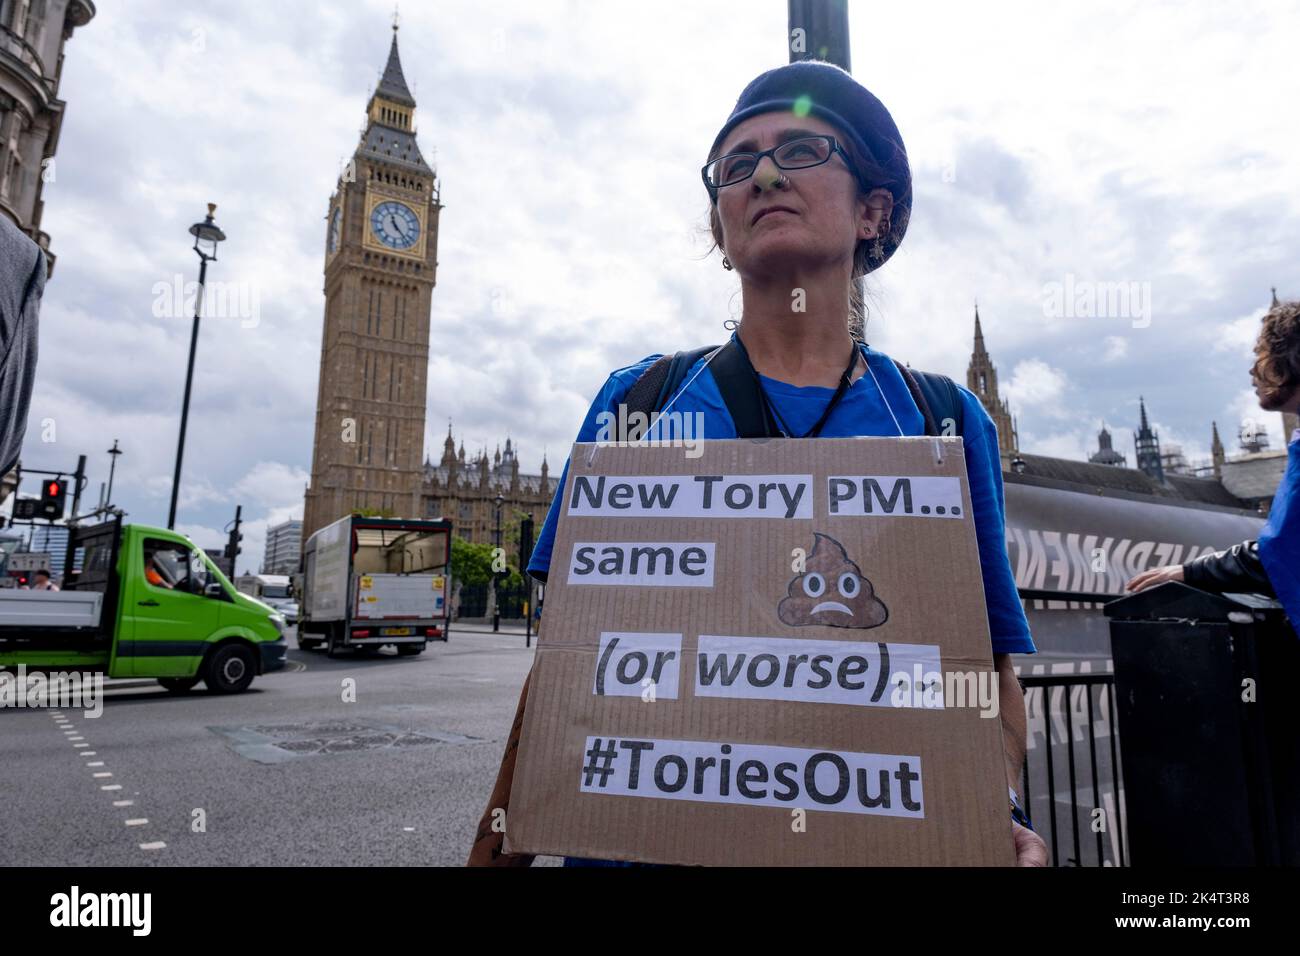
(336, 230)
(395, 225)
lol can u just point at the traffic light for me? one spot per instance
(232, 543)
(25, 508)
(54, 493)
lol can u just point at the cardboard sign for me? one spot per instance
(787, 669)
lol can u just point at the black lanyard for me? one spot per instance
(816, 430)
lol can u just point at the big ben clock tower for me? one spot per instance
(381, 245)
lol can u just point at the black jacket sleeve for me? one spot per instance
(1237, 570)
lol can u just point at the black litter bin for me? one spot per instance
(1211, 777)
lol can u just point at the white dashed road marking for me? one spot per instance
(78, 741)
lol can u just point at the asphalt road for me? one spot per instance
(290, 773)
(287, 773)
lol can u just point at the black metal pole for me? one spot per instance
(528, 610)
(78, 480)
(819, 30)
(185, 405)
(232, 544)
(112, 467)
(496, 596)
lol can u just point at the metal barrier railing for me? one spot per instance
(1093, 696)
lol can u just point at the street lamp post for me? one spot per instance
(112, 467)
(496, 598)
(206, 236)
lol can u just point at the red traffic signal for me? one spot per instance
(53, 498)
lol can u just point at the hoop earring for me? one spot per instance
(726, 264)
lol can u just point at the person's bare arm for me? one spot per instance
(489, 838)
(1029, 846)
(1011, 710)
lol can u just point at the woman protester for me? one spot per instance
(1271, 564)
(810, 189)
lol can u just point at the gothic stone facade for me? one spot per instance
(466, 491)
(32, 36)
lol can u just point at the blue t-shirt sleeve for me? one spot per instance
(1008, 626)
(612, 392)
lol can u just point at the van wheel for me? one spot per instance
(178, 685)
(409, 650)
(230, 669)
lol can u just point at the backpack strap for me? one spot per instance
(937, 397)
(660, 381)
(735, 381)
(750, 413)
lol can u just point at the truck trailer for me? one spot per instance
(370, 582)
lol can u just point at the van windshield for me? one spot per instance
(275, 591)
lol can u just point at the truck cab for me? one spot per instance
(142, 602)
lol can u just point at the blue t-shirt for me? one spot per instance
(1279, 542)
(863, 411)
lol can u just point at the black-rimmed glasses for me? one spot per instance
(801, 153)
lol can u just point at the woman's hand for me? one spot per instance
(1030, 848)
(1149, 579)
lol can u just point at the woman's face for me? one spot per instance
(816, 218)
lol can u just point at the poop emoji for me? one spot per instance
(831, 592)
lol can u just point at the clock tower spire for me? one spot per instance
(381, 243)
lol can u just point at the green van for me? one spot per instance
(142, 602)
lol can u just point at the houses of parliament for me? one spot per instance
(380, 265)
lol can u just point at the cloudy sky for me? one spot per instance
(1056, 149)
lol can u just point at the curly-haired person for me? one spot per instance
(1271, 564)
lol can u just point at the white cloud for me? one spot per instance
(569, 140)
(1114, 348)
(1038, 386)
(1238, 336)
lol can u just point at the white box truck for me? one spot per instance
(273, 589)
(367, 582)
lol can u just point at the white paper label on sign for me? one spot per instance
(819, 672)
(643, 563)
(692, 496)
(756, 775)
(636, 664)
(886, 496)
